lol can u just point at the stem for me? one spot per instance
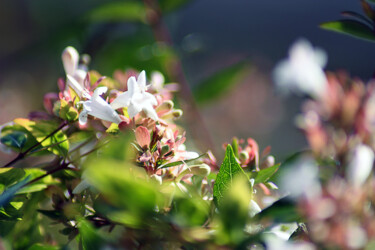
(174, 69)
(60, 167)
(22, 155)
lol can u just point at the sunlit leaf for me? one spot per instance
(351, 28)
(126, 188)
(8, 176)
(56, 143)
(228, 171)
(263, 175)
(220, 83)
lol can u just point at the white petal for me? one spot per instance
(150, 98)
(133, 86)
(133, 109)
(360, 164)
(150, 112)
(121, 101)
(70, 59)
(142, 80)
(75, 85)
(80, 76)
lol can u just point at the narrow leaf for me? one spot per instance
(8, 194)
(356, 15)
(263, 175)
(351, 28)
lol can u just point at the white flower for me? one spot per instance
(98, 107)
(77, 87)
(303, 71)
(70, 58)
(360, 164)
(136, 98)
(301, 178)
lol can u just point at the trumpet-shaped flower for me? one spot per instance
(98, 107)
(77, 87)
(136, 98)
(303, 70)
(70, 58)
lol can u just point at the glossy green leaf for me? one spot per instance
(16, 139)
(57, 143)
(124, 11)
(220, 83)
(263, 175)
(351, 28)
(229, 169)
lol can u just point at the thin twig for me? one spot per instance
(22, 155)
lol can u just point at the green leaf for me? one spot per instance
(263, 175)
(90, 237)
(57, 143)
(126, 188)
(8, 194)
(124, 11)
(220, 83)
(281, 211)
(39, 246)
(229, 169)
(8, 176)
(351, 28)
(16, 139)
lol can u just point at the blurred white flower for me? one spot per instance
(360, 164)
(98, 107)
(136, 98)
(70, 58)
(273, 242)
(303, 71)
(301, 179)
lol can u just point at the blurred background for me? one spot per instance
(226, 48)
